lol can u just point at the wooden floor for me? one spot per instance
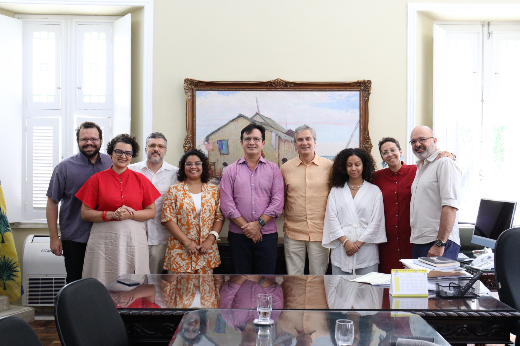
(46, 331)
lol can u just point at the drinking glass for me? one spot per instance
(264, 307)
(344, 332)
(264, 336)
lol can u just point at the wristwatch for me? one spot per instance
(262, 222)
(261, 281)
(439, 243)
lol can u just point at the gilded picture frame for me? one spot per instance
(338, 111)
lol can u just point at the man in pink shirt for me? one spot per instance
(252, 197)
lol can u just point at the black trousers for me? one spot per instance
(253, 258)
(74, 254)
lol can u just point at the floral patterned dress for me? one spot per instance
(179, 207)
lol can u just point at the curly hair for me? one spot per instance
(339, 176)
(181, 174)
(123, 138)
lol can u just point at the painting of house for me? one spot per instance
(223, 144)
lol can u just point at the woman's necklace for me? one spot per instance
(352, 187)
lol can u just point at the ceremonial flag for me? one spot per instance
(10, 274)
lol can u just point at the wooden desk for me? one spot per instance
(459, 321)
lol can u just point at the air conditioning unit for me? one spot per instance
(43, 273)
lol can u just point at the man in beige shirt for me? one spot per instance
(306, 180)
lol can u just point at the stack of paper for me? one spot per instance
(443, 276)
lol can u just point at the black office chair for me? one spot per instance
(86, 315)
(507, 270)
(15, 331)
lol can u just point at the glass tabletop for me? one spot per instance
(290, 292)
(297, 327)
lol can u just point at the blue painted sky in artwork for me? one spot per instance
(348, 103)
(333, 114)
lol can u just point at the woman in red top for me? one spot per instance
(122, 195)
(395, 183)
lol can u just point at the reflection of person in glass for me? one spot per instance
(354, 219)
(142, 296)
(191, 291)
(240, 292)
(344, 294)
(194, 326)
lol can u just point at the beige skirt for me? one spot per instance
(116, 248)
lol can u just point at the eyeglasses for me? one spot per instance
(421, 140)
(197, 163)
(120, 153)
(86, 140)
(392, 151)
(153, 146)
(254, 139)
(191, 329)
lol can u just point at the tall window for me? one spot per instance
(69, 73)
(477, 108)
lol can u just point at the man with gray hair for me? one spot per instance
(306, 180)
(435, 199)
(162, 175)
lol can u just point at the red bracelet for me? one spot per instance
(104, 215)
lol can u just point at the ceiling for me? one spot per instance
(68, 9)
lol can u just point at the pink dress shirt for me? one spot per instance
(242, 298)
(250, 194)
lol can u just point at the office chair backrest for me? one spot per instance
(507, 270)
(86, 315)
(15, 331)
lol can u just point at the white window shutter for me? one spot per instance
(122, 75)
(43, 64)
(11, 115)
(94, 66)
(43, 154)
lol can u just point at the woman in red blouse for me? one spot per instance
(117, 201)
(395, 183)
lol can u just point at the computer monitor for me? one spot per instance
(493, 218)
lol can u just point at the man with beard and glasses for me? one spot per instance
(68, 177)
(435, 199)
(162, 175)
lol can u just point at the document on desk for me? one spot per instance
(375, 279)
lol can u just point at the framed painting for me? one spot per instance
(216, 112)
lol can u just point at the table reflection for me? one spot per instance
(344, 294)
(310, 292)
(374, 328)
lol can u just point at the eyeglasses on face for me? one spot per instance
(86, 140)
(120, 153)
(197, 163)
(254, 139)
(153, 146)
(391, 151)
(421, 140)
